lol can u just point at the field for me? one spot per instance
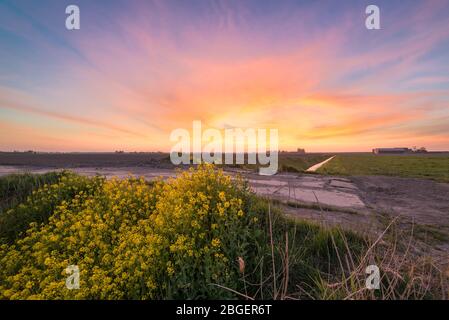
(71, 160)
(201, 235)
(432, 166)
(288, 161)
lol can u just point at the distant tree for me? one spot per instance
(422, 150)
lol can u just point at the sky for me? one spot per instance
(136, 70)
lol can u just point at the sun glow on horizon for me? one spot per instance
(136, 71)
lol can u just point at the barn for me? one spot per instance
(391, 150)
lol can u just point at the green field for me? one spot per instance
(434, 166)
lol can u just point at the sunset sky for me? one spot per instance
(136, 70)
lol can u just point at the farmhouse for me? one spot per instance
(391, 150)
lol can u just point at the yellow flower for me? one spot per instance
(170, 271)
(122, 234)
(215, 242)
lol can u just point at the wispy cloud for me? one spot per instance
(135, 71)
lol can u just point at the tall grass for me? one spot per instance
(15, 188)
(32, 198)
(307, 261)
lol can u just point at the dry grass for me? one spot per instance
(403, 274)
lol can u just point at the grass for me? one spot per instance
(15, 188)
(314, 206)
(435, 167)
(298, 254)
(126, 236)
(32, 198)
(431, 233)
(308, 261)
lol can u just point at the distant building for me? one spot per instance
(419, 150)
(391, 150)
(300, 150)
